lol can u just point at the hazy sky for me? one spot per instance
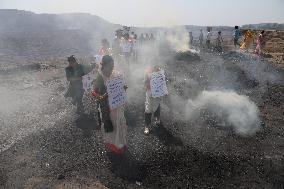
(162, 12)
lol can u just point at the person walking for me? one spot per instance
(237, 34)
(260, 43)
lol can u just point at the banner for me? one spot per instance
(116, 92)
(158, 84)
(88, 80)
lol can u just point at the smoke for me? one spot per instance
(188, 100)
(234, 109)
(178, 39)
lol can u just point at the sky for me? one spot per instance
(162, 12)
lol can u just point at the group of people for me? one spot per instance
(208, 40)
(126, 44)
(112, 120)
(249, 39)
(247, 34)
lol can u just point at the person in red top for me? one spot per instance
(105, 48)
(260, 43)
(152, 105)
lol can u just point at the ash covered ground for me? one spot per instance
(44, 144)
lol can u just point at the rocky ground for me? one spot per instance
(44, 144)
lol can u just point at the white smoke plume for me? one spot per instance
(237, 110)
(179, 39)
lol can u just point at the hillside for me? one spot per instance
(28, 35)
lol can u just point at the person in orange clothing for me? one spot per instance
(248, 40)
(260, 43)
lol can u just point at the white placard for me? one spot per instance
(116, 92)
(88, 80)
(98, 58)
(158, 84)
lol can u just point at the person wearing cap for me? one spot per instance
(74, 73)
(112, 121)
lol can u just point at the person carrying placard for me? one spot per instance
(152, 105)
(113, 122)
(126, 48)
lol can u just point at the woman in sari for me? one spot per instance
(260, 43)
(113, 122)
(248, 40)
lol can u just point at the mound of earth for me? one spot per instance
(187, 56)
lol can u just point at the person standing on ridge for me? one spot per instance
(260, 43)
(237, 34)
(219, 42)
(208, 38)
(201, 38)
(190, 38)
(248, 40)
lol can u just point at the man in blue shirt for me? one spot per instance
(237, 35)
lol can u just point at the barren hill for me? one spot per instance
(29, 35)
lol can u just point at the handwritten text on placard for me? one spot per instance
(158, 84)
(116, 93)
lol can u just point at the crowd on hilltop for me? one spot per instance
(241, 38)
(106, 80)
(126, 43)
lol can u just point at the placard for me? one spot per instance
(158, 84)
(116, 92)
(98, 58)
(88, 80)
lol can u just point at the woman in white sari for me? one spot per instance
(113, 122)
